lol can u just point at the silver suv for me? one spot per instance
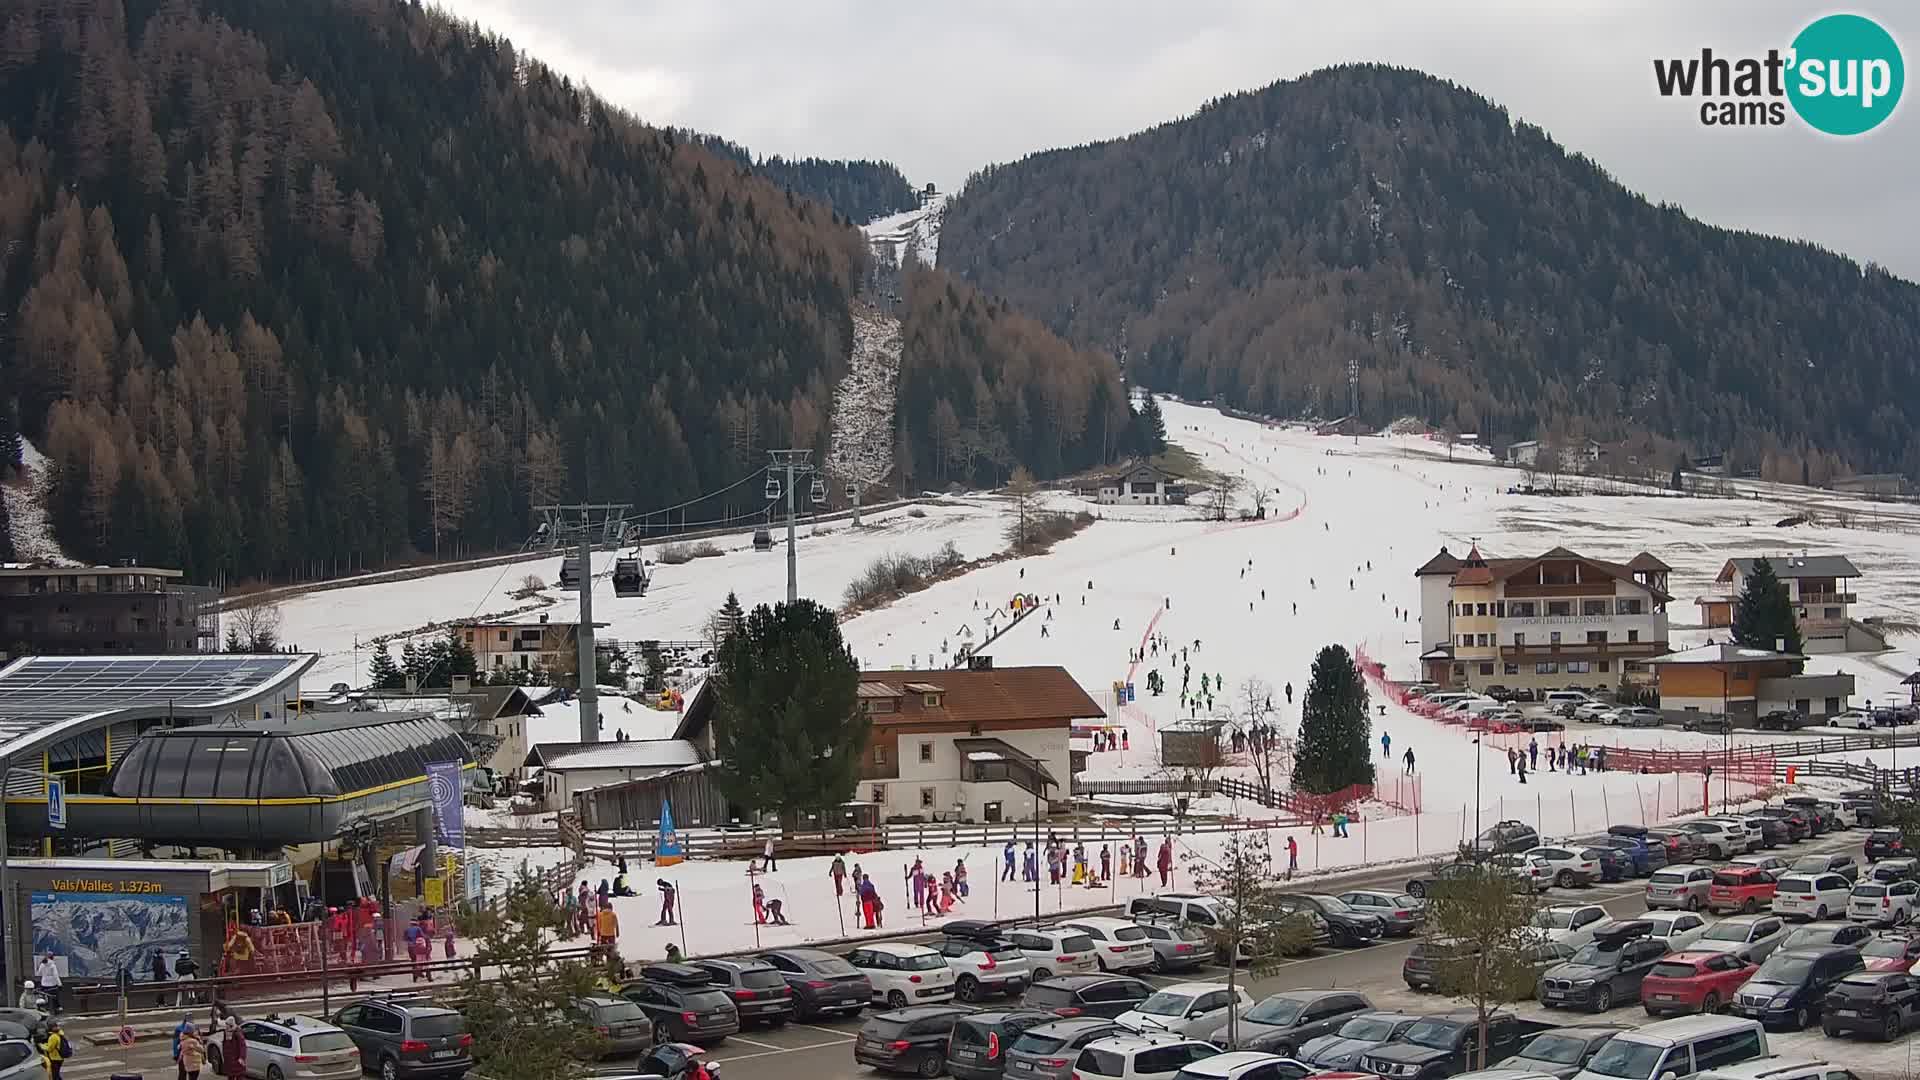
(293, 1048)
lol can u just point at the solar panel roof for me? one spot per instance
(39, 692)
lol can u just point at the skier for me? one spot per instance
(1523, 768)
(1386, 745)
(1165, 862)
(1511, 761)
(1263, 594)
(1409, 760)
(1533, 754)
(1296, 607)
(1290, 691)
(1293, 856)
(1007, 873)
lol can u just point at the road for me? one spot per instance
(825, 1051)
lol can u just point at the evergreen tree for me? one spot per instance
(383, 673)
(10, 446)
(788, 734)
(1335, 748)
(1150, 428)
(732, 616)
(1763, 616)
(413, 664)
(234, 643)
(655, 677)
(526, 1023)
(459, 656)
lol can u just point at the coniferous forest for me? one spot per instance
(1479, 275)
(296, 287)
(857, 190)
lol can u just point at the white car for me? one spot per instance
(1118, 944)
(1751, 937)
(21, 1060)
(1195, 1009)
(1592, 712)
(903, 974)
(1679, 928)
(1770, 863)
(1534, 872)
(1853, 718)
(1720, 839)
(1568, 866)
(1891, 870)
(1682, 885)
(1812, 896)
(1247, 1065)
(1139, 1057)
(1569, 924)
(1847, 816)
(1055, 950)
(1636, 716)
(985, 966)
(1755, 836)
(1891, 903)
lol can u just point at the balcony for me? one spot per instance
(1814, 599)
(1528, 589)
(1584, 648)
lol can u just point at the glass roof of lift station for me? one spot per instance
(47, 698)
(321, 756)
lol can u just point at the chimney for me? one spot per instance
(462, 684)
(413, 684)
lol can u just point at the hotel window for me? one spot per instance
(1466, 640)
(1830, 613)
(1627, 606)
(1553, 637)
(1596, 637)
(1633, 635)
(926, 798)
(1593, 607)
(926, 753)
(1578, 667)
(1481, 640)
(1519, 638)
(932, 701)
(1524, 609)
(1482, 609)
(1510, 669)
(1546, 667)
(1499, 609)
(1559, 607)
(1486, 669)
(1603, 666)
(880, 755)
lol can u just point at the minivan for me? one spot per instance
(1446, 699)
(1677, 1049)
(1560, 699)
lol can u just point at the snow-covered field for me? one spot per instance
(916, 230)
(863, 402)
(26, 496)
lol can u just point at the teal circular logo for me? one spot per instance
(1847, 75)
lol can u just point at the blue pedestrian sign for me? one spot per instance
(56, 803)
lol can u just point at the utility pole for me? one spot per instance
(589, 669)
(573, 530)
(796, 463)
(1353, 390)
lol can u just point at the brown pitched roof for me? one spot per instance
(1008, 693)
(1646, 561)
(1502, 569)
(1443, 563)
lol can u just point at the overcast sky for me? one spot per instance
(942, 89)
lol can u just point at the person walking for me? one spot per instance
(48, 973)
(1106, 862)
(1523, 768)
(1139, 856)
(1293, 856)
(189, 1052)
(767, 860)
(1510, 761)
(1409, 761)
(1533, 754)
(233, 1049)
(1166, 862)
(55, 1050)
(1339, 823)
(1006, 872)
(838, 872)
(1386, 745)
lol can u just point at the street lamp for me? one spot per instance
(1476, 798)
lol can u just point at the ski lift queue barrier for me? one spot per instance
(750, 843)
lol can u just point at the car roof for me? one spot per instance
(1692, 956)
(1135, 1041)
(1814, 952)
(1748, 920)
(1077, 982)
(1762, 1068)
(811, 956)
(1195, 987)
(734, 963)
(302, 1022)
(1071, 1024)
(1232, 1059)
(1102, 922)
(896, 948)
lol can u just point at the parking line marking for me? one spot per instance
(828, 1031)
(778, 1050)
(761, 1045)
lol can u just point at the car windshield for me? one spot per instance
(1275, 1010)
(761, 978)
(1885, 947)
(1129, 933)
(1796, 884)
(439, 1025)
(1406, 901)
(1626, 1059)
(1598, 954)
(1032, 1042)
(1553, 920)
(1728, 931)
(1812, 863)
(1668, 877)
(1165, 1003)
(928, 961)
(1042, 996)
(1732, 880)
(1370, 1028)
(618, 1012)
(1333, 903)
(1433, 1034)
(323, 1041)
(833, 965)
(1558, 1049)
(1789, 970)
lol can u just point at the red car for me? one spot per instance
(1689, 982)
(1891, 952)
(1741, 888)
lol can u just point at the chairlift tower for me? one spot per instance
(794, 463)
(579, 527)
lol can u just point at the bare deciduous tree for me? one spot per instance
(255, 627)
(1220, 498)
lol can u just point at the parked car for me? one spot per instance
(1526, 870)
(1047, 1052)
(1207, 912)
(683, 1003)
(1718, 839)
(1885, 844)
(1799, 823)
(1750, 937)
(1790, 989)
(910, 1040)
(759, 992)
(1896, 951)
(1773, 831)
(1444, 1044)
(399, 1038)
(1694, 981)
(1344, 1047)
(984, 963)
(1569, 924)
(1246, 1065)
(20, 1060)
(1772, 864)
(1681, 845)
(624, 1028)
(1842, 815)
(1865, 808)
(1707, 722)
(1614, 863)
(1678, 929)
(1859, 719)
(1284, 1022)
(1119, 945)
(903, 974)
(1140, 1057)
(1893, 870)
(1591, 712)
(977, 1049)
(1541, 723)
(1569, 866)
(1102, 996)
(1682, 886)
(1636, 716)
(823, 984)
(1177, 946)
(1429, 883)
(1881, 1003)
(1348, 925)
(1884, 903)
(1560, 1052)
(1401, 913)
(1834, 863)
(1194, 1008)
(1811, 896)
(1506, 836)
(1054, 950)
(303, 1047)
(1754, 833)
(1784, 720)
(1815, 935)
(1740, 888)
(1607, 970)
(1681, 1048)
(1646, 858)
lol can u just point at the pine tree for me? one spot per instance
(786, 728)
(234, 643)
(10, 445)
(413, 664)
(732, 616)
(383, 673)
(459, 656)
(1763, 616)
(1151, 429)
(1335, 733)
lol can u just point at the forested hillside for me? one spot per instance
(300, 286)
(1478, 274)
(858, 191)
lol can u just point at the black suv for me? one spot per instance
(823, 984)
(1283, 1022)
(1437, 1046)
(1347, 925)
(1879, 1003)
(757, 989)
(978, 1048)
(1105, 996)
(1790, 989)
(1607, 970)
(1885, 844)
(1507, 837)
(1784, 720)
(911, 1040)
(399, 1037)
(683, 1003)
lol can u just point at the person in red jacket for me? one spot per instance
(1166, 862)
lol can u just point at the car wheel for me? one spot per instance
(1716, 852)
(1695, 903)
(1801, 1018)
(1043, 973)
(274, 1073)
(930, 1064)
(1564, 879)
(1890, 1030)
(1750, 906)
(1822, 913)
(1829, 1030)
(1602, 998)
(967, 989)
(1416, 890)
(389, 1069)
(1710, 1003)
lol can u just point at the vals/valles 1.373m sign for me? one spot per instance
(1842, 75)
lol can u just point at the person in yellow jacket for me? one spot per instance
(606, 926)
(56, 1050)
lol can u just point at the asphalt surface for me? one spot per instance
(824, 1051)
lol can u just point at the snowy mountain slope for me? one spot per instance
(916, 230)
(863, 403)
(26, 497)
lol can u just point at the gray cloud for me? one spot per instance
(942, 90)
